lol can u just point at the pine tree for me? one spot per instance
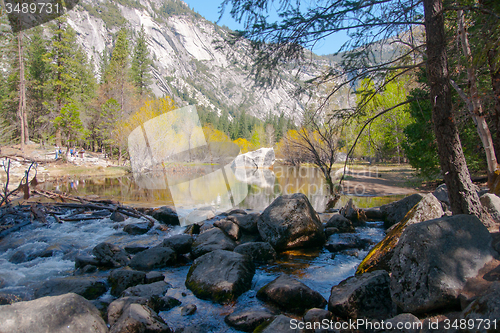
(141, 63)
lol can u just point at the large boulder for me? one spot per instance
(122, 279)
(116, 308)
(181, 244)
(427, 208)
(230, 228)
(211, 240)
(147, 290)
(396, 211)
(88, 287)
(220, 276)
(492, 204)
(258, 159)
(246, 222)
(291, 222)
(362, 296)
(247, 320)
(166, 215)
(353, 214)
(68, 313)
(487, 308)
(138, 318)
(258, 251)
(433, 260)
(156, 257)
(290, 294)
(342, 224)
(110, 255)
(138, 228)
(280, 324)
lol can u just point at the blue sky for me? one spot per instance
(209, 9)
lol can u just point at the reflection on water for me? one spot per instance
(258, 191)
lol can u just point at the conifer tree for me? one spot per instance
(141, 64)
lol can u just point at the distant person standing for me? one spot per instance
(57, 152)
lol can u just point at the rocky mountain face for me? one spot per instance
(188, 65)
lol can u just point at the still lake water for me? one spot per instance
(202, 186)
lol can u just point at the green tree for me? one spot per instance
(70, 124)
(141, 63)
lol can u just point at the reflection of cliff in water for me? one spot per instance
(263, 178)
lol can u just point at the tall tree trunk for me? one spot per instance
(495, 83)
(463, 197)
(21, 112)
(475, 106)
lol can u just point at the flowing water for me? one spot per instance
(318, 269)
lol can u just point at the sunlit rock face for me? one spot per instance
(187, 59)
(259, 159)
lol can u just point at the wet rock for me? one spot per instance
(139, 318)
(485, 307)
(166, 215)
(122, 279)
(258, 251)
(88, 287)
(331, 231)
(220, 276)
(316, 315)
(247, 223)
(147, 290)
(164, 303)
(247, 320)
(410, 324)
(6, 299)
(237, 211)
(396, 211)
(156, 257)
(342, 224)
(193, 229)
(205, 227)
(134, 249)
(230, 228)
(362, 296)
(116, 308)
(211, 240)
(110, 255)
(82, 261)
(181, 244)
(280, 324)
(427, 208)
(18, 257)
(138, 228)
(355, 215)
(492, 204)
(291, 222)
(68, 313)
(188, 310)
(154, 276)
(117, 217)
(433, 260)
(291, 295)
(341, 242)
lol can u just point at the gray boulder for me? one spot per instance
(166, 215)
(230, 228)
(122, 279)
(258, 251)
(290, 294)
(147, 290)
(492, 204)
(362, 296)
(138, 228)
(220, 276)
(259, 159)
(396, 211)
(291, 222)
(156, 257)
(246, 222)
(342, 224)
(433, 260)
(485, 307)
(247, 320)
(139, 318)
(441, 193)
(427, 208)
(181, 244)
(116, 308)
(353, 214)
(408, 322)
(88, 287)
(280, 324)
(317, 315)
(211, 240)
(110, 255)
(68, 313)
